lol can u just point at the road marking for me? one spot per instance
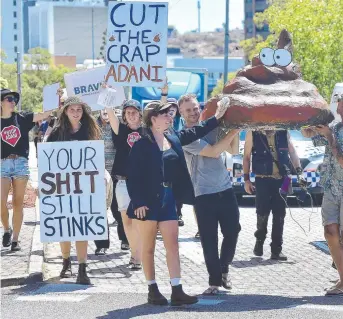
(56, 297)
(320, 307)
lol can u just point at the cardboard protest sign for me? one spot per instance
(87, 85)
(51, 99)
(72, 191)
(110, 97)
(137, 43)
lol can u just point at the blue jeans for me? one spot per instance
(15, 168)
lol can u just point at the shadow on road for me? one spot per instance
(228, 303)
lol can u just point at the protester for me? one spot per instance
(332, 181)
(15, 129)
(44, 127)
(215, 202)
(110, 152)
(176, 124)
(273, 156)
(126, 134)
(157, 177)
(75, 123)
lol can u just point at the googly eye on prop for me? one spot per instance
(282, 57)
(267, 56)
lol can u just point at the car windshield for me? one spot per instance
(295, 136)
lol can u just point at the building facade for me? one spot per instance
(11, 29)
(250, 8)
(68, 28)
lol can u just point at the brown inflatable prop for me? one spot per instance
(270, 93)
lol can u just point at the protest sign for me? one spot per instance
(137, 43)
(72, 191)
(110, 97)
(51, 99)
(87, 85)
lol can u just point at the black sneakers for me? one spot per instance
(6, 238)
(15, 246)
(280, 256)
(66, 269)
(82, 277)
(179, 297)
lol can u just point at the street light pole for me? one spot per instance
(19, 79)
(226, 48)
(93, 35)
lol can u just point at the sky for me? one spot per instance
(183, 14)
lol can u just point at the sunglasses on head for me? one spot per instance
(11, 99)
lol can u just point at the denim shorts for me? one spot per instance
(13, 168)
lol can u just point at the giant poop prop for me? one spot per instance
(271, 94)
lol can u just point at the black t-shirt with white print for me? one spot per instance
(123, 142)
(15, 134)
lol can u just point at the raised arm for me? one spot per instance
(41, 116)
(248, 186)
(113, 119)
(294, 156)
(221, 146)
(164, 91)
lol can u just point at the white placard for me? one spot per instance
(111, 97)
(51, 99)
(87, 85)
(137, 43)
(72, 192)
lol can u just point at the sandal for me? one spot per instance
(132, 261)
(211, 291)
(135, 266)
(334, 291)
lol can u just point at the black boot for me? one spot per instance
(82, 277)
(258, 249)
(155, 297)
(278, 256)
(66, 268)
(179, 298)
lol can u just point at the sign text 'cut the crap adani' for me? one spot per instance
(137, 43)
(72, 191)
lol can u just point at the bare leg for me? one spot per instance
(148, 230)
(65, 249)
(19, 187)
(81, 250)
(170, 232)
(131, 232)
(333, 235)
(5, 188)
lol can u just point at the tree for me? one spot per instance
(39, 72)
(220, 84)
(316, 27)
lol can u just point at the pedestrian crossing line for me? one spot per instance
(54, 297)
(320, 307)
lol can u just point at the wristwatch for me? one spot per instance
(164, 94)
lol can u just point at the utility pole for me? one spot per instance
(93, 34)
(226, 48)
(19, 79)
(199, 9)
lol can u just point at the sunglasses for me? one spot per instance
(11, 99)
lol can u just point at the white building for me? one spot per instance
(71, 28)
(11, 29)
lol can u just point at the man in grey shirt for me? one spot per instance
(215, 202)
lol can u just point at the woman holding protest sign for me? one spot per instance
(75, 123)
(157, 178)
(15, 129)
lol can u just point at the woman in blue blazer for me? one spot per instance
(157, 176)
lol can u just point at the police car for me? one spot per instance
(311, 159)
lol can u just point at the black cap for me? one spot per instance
(5, 92)
(132, 103)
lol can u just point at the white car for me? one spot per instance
(311, 159)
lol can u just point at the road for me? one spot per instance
(262, 288)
